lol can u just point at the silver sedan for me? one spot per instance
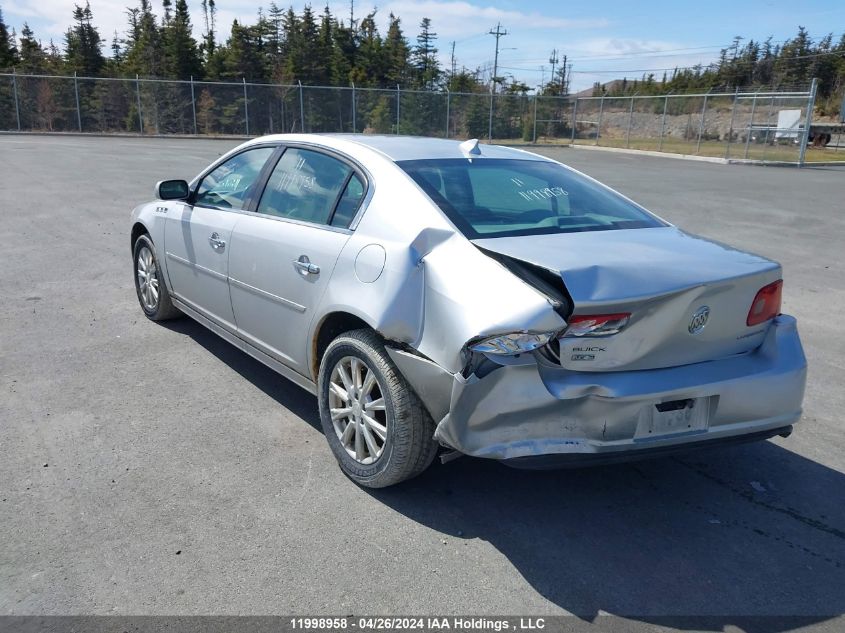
(482, 299)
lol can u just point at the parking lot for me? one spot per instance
(155, 469)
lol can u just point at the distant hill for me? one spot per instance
(608, 86)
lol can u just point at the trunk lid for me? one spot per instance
(663, 277)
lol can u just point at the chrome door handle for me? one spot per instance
(216, 242)
(305, 267)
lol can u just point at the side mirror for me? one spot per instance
(172, 190)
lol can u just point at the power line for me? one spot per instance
(614, 56)
(778, 60)
(658, 53)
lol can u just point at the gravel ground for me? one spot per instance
(149, 469)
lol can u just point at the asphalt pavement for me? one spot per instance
(155, 469)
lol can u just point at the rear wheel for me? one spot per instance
(375, 424)
(149, 286)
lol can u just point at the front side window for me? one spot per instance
(503, 197)
(304, 185)
(228, 185)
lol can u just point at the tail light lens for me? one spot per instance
(596, 324)
(766, 304)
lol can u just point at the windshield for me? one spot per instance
(500, 197)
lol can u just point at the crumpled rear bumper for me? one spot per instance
(522, 411)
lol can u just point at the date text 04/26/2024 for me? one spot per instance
(452, 623)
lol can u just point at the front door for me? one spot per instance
(283, 256)
(197, 237)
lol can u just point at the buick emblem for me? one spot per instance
(699, 320)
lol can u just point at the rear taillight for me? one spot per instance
(766, 304)
(596, 324)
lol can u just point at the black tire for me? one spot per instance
(409, 446)
(162, 308)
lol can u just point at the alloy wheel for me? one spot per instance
(358, 411)
(147, 272)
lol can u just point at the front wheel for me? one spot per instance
(149, 286)
(375, 424)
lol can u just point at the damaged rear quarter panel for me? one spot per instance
(437, 290)
(468, 295)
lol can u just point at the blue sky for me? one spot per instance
(602, 40)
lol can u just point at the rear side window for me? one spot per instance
(349, 202)
(304, 185)
(228, 184)
(502, 197)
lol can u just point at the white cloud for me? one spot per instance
(614, 58)
(621, 46)
(51, 18)
(455, 18)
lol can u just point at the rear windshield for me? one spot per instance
(498, 197)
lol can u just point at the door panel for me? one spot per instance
(197, 237)
(273, 293)
(197, 243)
(283, 257)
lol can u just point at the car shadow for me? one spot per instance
(751, 529)
(751, 536)
(293, 398)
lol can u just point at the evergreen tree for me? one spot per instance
(8, 60)
(289, 47)
(344, 51)
(369, 68)
(243, 54)
(396, 53)
(324, 50)
(33, 59)
(181, 53)
(116, 51)
(310, 64)
(274, 36)
(144, 55)
(426, 66)
(83, 44)
(8, 50)
(793, 62)
(209, 11)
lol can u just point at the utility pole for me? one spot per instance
(498, 33)
(452, 63)
(553, 61)
(563, 87)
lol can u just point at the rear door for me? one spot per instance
(282, 255)
(197, 237)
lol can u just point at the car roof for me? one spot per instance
(399, 148)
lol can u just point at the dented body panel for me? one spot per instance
(661, 276)
(403, 268)
(541, 409)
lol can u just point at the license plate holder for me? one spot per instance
(674, 417)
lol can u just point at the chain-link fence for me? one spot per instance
(767, 126)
